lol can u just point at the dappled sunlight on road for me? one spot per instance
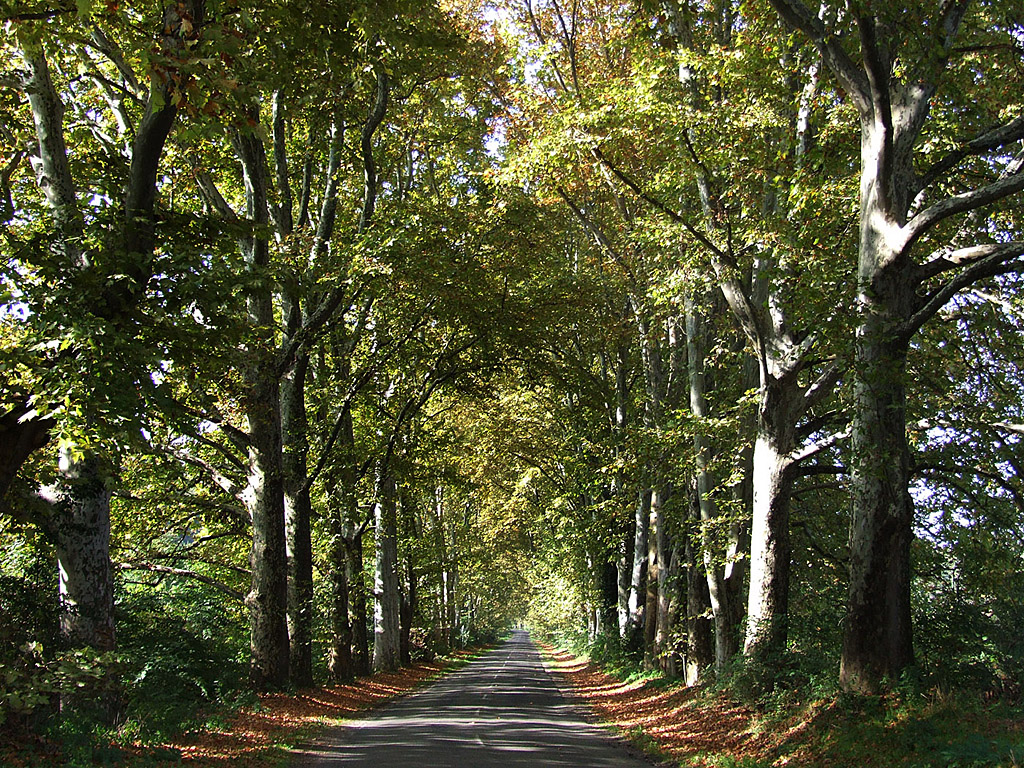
(502, 710)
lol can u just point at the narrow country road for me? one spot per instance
(500, 711)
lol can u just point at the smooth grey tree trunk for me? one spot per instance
(774, 470)
(726, 643)
(386, 597)
(638, 576)
(653, 633)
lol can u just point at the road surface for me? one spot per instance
(501, 711)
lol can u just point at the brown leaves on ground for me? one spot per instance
(697, 728)
(680, 724)
(252, 736)
(255, 737)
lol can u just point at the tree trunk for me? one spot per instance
(409, 593)
(608, 607)
(638, 576)
(358, 604)
(298, 514)
(726, 642)
(623, 578)
(655, 561)
(264, 495)
(877, 637)
(768, 606)
(339, 662)
(261, 401)
(86, 582)
(342, 573)
(408, 611)
(386, 598)
(700, 649)
(674, 662)
(666, 594)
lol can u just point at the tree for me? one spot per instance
(103, 255)
(937, 146)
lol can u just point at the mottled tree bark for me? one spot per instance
(386, 598)
(774, 471)
(261, 401)
(298, 521)
(82, 526)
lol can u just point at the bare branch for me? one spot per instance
(944, 260)
(817, 446)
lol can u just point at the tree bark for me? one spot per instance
(666, 593)
(655, 562)
(264, 493)
(359, 606)
(768, 603)
(86, 588)
(386, 598)
(877, 636)
(638, 576)
(339, 661)
(726, 642)
(700, 648)
(298, 520)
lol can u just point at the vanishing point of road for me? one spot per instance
(503, 710)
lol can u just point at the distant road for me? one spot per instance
(501, 711)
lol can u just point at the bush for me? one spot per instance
(183, 654)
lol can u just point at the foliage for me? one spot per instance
(553, 189)
(185, 658)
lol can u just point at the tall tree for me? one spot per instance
(102, 255)
(912, 78)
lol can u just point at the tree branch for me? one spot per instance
(944, 261)
(798, 16)
(166, 569)
(936, 300)
(994, 138)
(962, 203)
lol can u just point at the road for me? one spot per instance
(500, 711)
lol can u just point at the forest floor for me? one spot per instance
(258, 736)
(699, 728)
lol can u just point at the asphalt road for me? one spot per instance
(500, 711)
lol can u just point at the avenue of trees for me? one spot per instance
(333, 334)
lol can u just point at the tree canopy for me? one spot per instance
(336, 335)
